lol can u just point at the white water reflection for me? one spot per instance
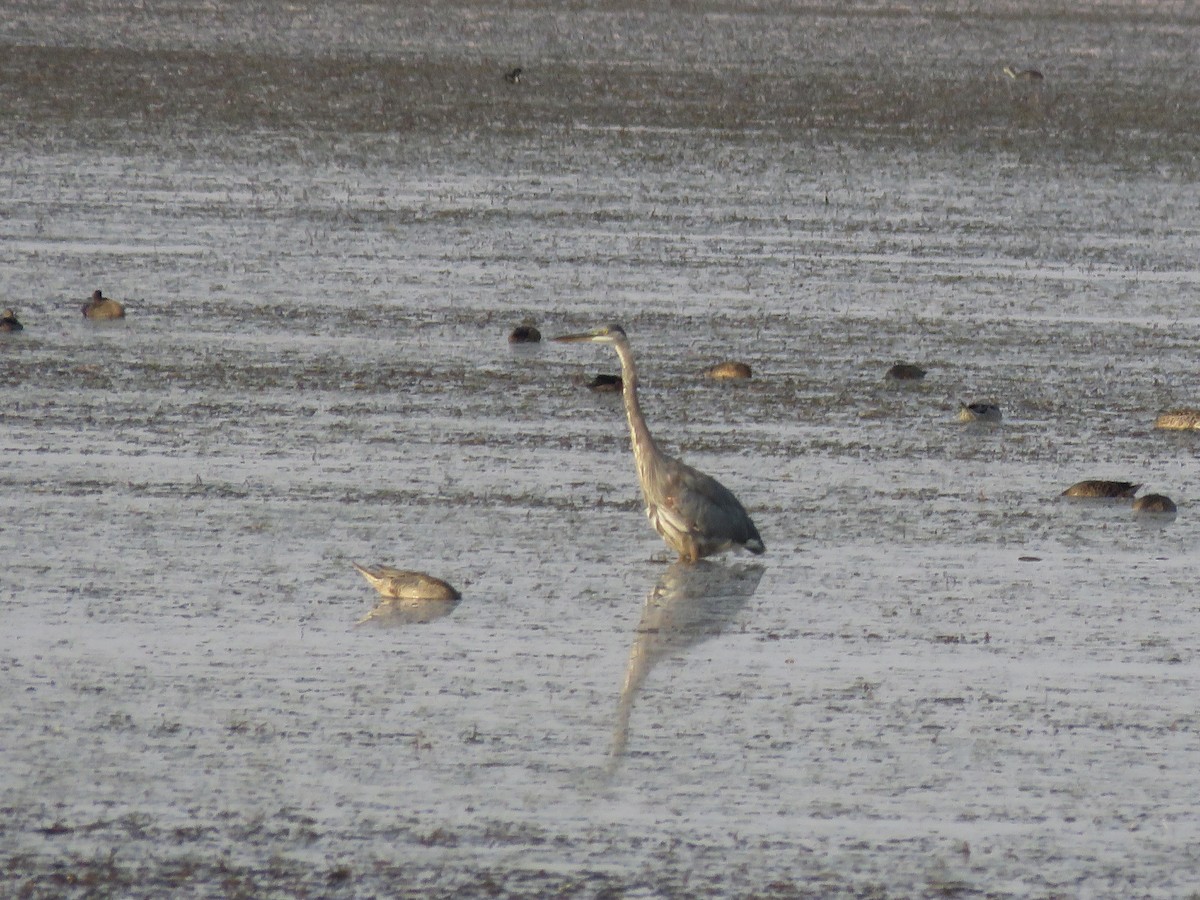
(690, 603)
(392, 612)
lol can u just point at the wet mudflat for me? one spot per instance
(324, 220)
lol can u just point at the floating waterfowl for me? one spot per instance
(401, 584)
(1154, 505)
(8, 321)
(1102, 490)
(606, 384)
(905, 372)
(513, 76)
(1023, 74)
(726, 371)
(524, 334)
(979, 412)
(101, 307)
(1178, 419)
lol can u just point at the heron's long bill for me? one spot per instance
(576, 338)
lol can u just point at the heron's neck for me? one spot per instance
(644, 447)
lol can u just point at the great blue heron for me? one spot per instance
(8, 321)
(1102, 490)
(696, 515)
(1178, 419)
(101, 307)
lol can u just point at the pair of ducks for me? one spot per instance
(1097, 489)
(99, 307)
(967, 412)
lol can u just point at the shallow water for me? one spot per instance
(324, 220)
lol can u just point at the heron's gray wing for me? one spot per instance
(701, 505)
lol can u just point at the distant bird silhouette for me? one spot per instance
(1178, 420)
(727, 371)
(524, 334)
(513, 76)
(979, 412)
(606, 384)
(1102, 490)
(8, 321)
(101, 307)
(905, 372)
(1023, 74)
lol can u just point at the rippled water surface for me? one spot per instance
(325, 218)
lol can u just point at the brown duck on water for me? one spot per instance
(1154, 505)
(905, 372)
(1096, 489)
(402, 584)
(728, 370)
(1178, 420)
(8, 321)
(101, 307)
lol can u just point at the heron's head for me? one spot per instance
(609, 334)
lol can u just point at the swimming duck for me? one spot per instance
(606, 384)
(513, 76)
(1178, 419)
(1154, 505)
(8, 321)
(905, 372)
(726, 371)
(524, 334)
(978, 412)
(101, 307)
(1102, 490)
(401, 584)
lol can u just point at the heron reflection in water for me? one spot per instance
(695, 514)
(690, 604)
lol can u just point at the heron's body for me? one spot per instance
(1155, 505)
(1178, 420)
(101, 307)
(979, 412)
(725, 371)
(8, 321)
(694, 513)
(405, 585)
(1094, 489)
